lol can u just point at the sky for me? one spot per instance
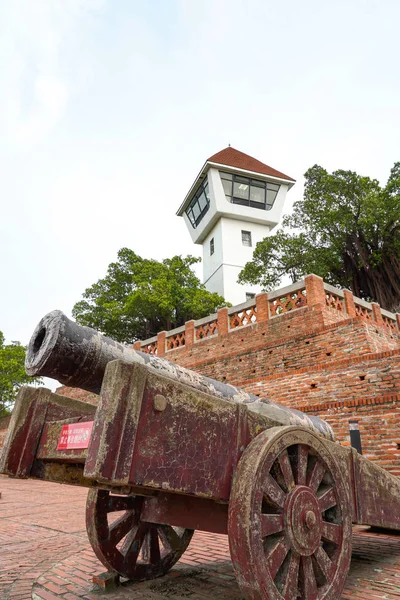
(109, 109)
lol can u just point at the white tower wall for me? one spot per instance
(221, 269)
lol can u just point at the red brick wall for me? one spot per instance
(348, 379)
(78, 394)
(379, 424)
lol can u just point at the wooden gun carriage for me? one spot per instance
(168, 451)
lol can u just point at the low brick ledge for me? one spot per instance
(342, 362)
(339, 404)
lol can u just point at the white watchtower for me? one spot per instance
(234, 203)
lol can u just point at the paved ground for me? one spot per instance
(44, 555)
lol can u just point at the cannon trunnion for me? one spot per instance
(167, 451)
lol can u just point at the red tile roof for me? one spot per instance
(234, 158)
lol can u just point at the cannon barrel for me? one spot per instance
(77, 356)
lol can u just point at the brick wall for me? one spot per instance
(379, 423)
(78, 394)
(347, 379)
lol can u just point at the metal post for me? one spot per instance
(355, 436)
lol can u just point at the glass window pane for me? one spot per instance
(190, 216)
(241, 201)
(271, 195)
(257, 183)
(196, 210)
(246, 238)
(259, 205)
(207, 193)
(273, 186)
(226, 175)
(257, 194)
(227, 185)
(241, 190)
(242, 179)
(202, 201)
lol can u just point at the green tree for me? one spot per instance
(345, 229)
(12, 373)
(140, 297)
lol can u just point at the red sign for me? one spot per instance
(75, 435)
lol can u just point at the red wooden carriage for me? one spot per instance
(167, 451)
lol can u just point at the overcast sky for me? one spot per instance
(108, 110)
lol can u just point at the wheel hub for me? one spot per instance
(303, 520)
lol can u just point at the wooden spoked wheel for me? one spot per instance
(289, 519)
(133, 548)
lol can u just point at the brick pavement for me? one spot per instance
(45, 555)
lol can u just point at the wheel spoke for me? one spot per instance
(133, 544)
(129, 539)
(331, 532)
(271, 524)
(327, 500)
(302, 460)
(310, 584)
(291, 584)
(287, 471)
(277, 556)
(151, 546)
(274, 491)
(116, 503)
(324, 562)
(122, 526)
(315, 476)
(169, 537)
(155, 555)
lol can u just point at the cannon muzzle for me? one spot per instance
(77, 356)
(74, 355)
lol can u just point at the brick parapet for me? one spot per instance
(256, 338)
(317, 294)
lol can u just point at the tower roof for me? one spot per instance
(236, 160)
(239, 160)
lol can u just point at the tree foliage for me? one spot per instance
(345, 229)
(12, 373)
(140, 297)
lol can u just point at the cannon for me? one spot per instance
(168, 451)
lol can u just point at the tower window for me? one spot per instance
(246, 238)
(249, 192)
(199, 205)
(211, 246)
